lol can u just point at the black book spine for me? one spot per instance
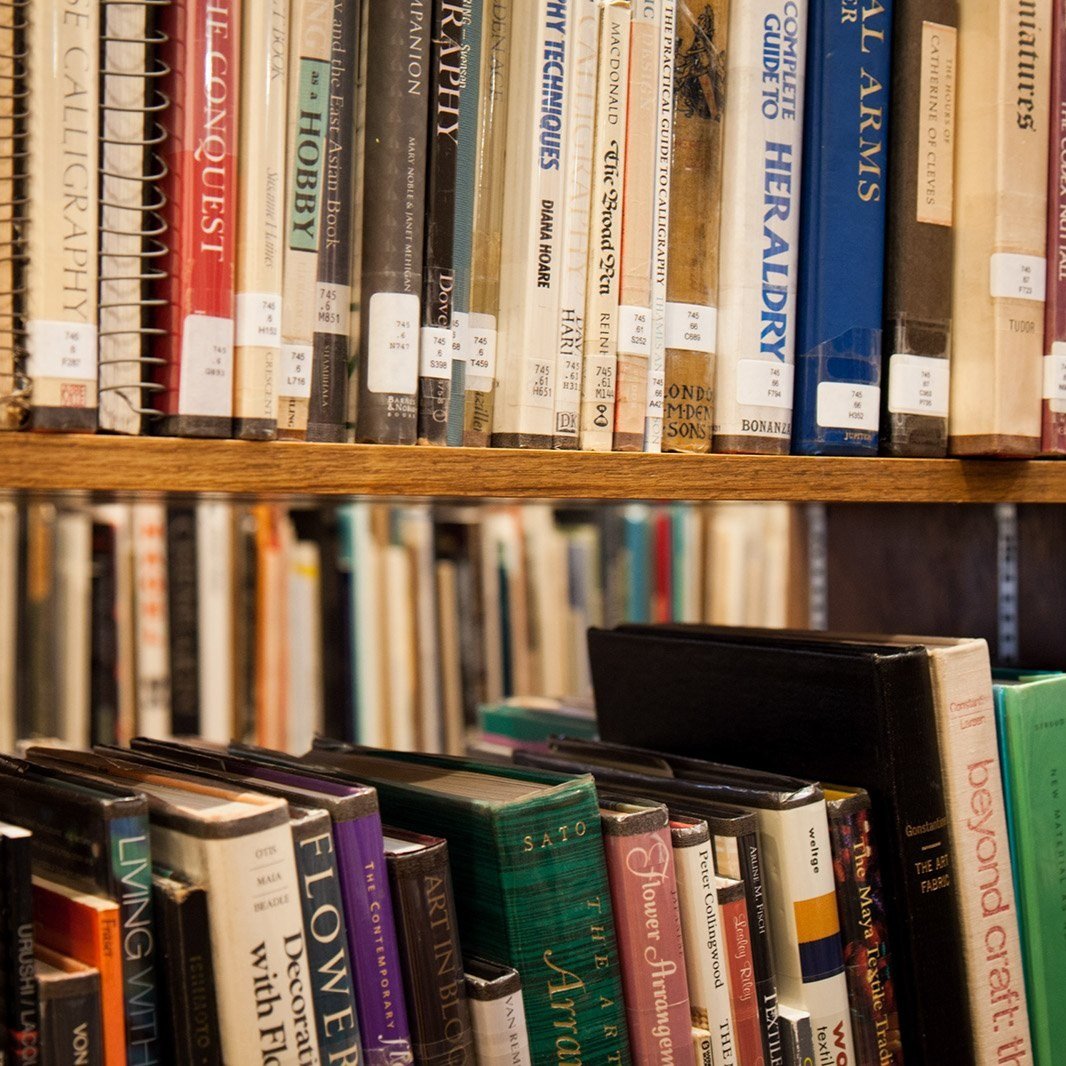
(187, 977)
(183, 621)
(103, 678)
(328, 410)
(437, 1004)
(435, 369)
(18, 986)
(71, 1026)
(394, 190)
(326, 935)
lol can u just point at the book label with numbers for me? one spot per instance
(296, 370)
(691, 327)
(332, 308)
(918, 385)
(634, 329)
(62, 350)
(206, 366)
(1018, 277)
(258, 319)
(482, 352)
(393, 343)
(842, 405)
(762, 383)
(436, 353)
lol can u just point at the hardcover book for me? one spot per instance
(394, 171)
(699, 100)
(737, 934)
(496, 1013)
(916, 343)
(196, 291)
(868, 707)
(1054, 424)
(797, 1037)
(71, 1027)
(763, 151)
(1000, 269)
(842, 233)
(20, 1031)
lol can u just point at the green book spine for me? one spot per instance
(1032, 720)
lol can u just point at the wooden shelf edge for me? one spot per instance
(101, 464)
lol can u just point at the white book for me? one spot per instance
(664, 142)
(399, 635)
(151, 612)
(214, 598)
(73, 561)
(305, 711)
(451, 667)
(546, 567)
(706, 957)
(497, 1014)
(600, 362)
(533, 215)
(9, 553)
(577, 204)
(491, 612)
(370, 684)
(760, 226)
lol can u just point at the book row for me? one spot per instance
(386, 624)
(674, 909)
(634, 225)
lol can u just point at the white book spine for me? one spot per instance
(804, 927)
(653, 416)
(760, 225)
(214, 595)
(74, 624)
(580, 125)
(304, 718)
(260, 215)
(983, 878)
(706, 964)
(399, 635)
(366, 578)
(500, 1030)
(262, 979)
(151, 618)
(9, 553)
(533, 215)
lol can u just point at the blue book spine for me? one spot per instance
(842, 236)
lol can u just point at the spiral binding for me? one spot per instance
(153, 227)
(14, 212)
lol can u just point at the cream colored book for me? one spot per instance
(531, 265)
(1001, 168)
(371, 684)
(451, 666)
(12, 85)
(9, 613)
(310, 28)
(260, 217)
(63, 234)
(214, 599)
(73, 563)
(398, 633)
(600, 362)
(765, 63)
(304, 719)
(638, 227)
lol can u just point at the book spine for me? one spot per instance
(70, 1022)
(805, 929)
(308, 117)
(839, 317)
(1054, 425)
(797, 1038)
(20, 1026)
(763, 153)
(474, 37)
(187, 975)
(640, 869)
(499, 1025)
(438, 1010)
(331, 341)
(664, 140)
(321, 899)
(372, 943)
(149, 522)
(576, 223)
(920, 246)
(131, 886)
(494, 94)
(62, 268)
(745, 1003)
(600, 336)
(638, 227)
(533, 213)
(699, 98)
(860, 904)
(983, 877)
(182, 621)
(260, 219)
(397, 101)
(200, 154)
(1000, 269)
(705, 962)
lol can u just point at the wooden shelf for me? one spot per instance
(39, 462)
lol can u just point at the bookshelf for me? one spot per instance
(38, 462)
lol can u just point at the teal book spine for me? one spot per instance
(637, 538)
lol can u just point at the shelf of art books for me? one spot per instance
(58, 463)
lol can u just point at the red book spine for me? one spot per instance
(1054, 430)
(640, 869)
(663, 605)
(747, 1029)
(196, 296)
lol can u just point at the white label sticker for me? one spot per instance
(334, 308)
(296, 370)
(539, 385)
(1018, 277)
(436, 353)
(1055, 373)
(656, 388)
(482, 353)
(841, 405)
(392, 364)
(918, 385)
(461, 336)
(61, 350)
(634, 329)
(691, 327)
(764, 383)
(258, 319)
(206, 367)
